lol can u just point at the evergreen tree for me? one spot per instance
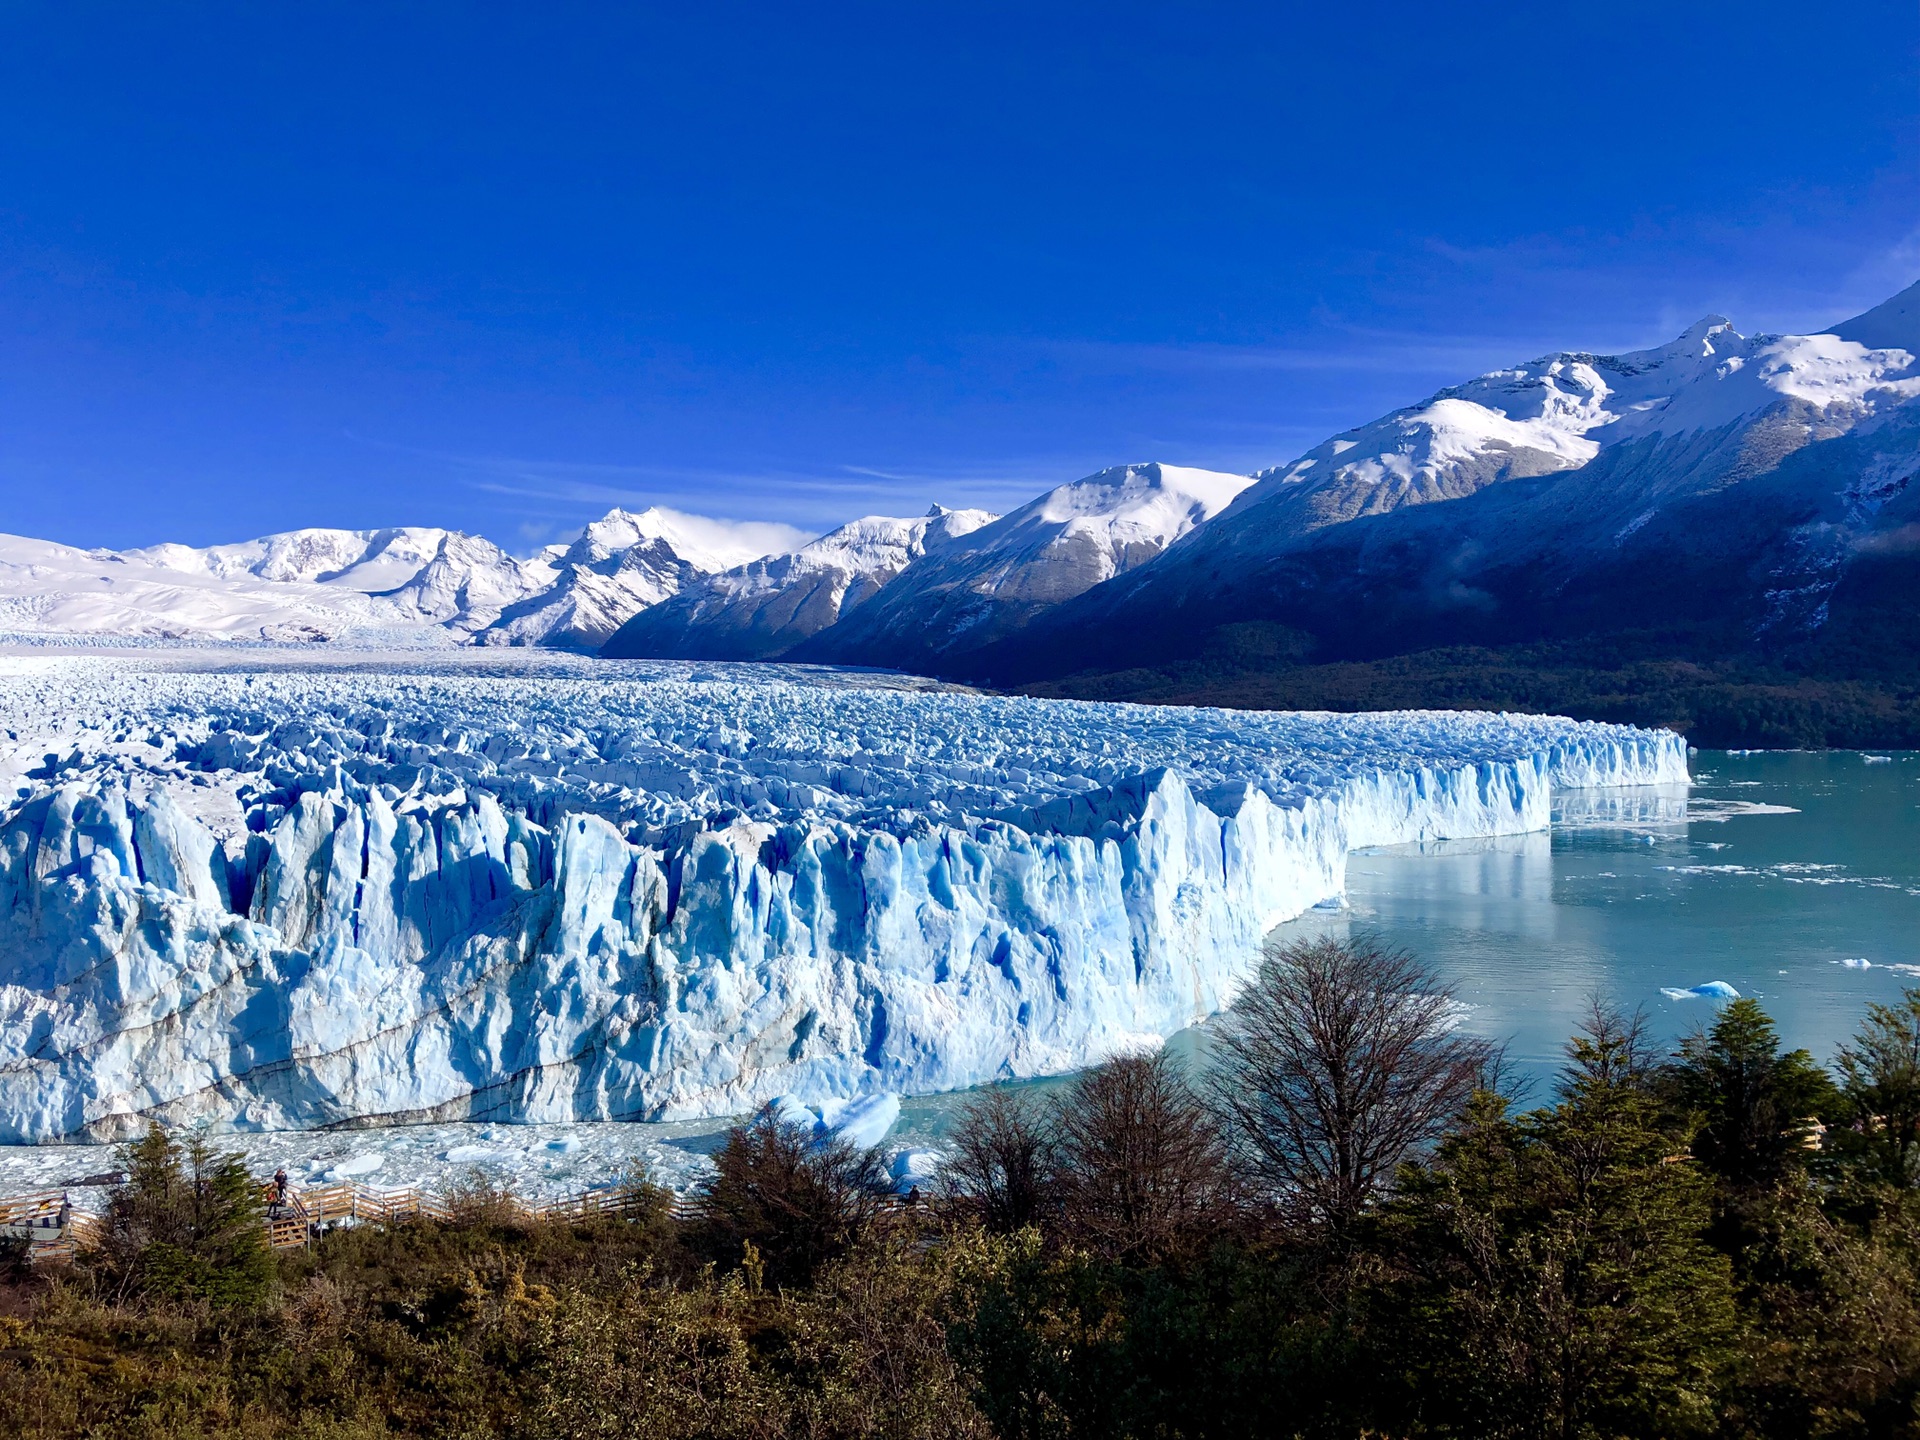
(1880, 1085)
(1552, 1279)
(186, 1224)
(1751, 1099)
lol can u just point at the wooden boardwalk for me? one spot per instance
(316, 1209)
(56, 1231)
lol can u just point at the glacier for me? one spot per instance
(529, 887)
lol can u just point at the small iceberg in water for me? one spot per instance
(354, 1166)
(914, 1170)
(863, 1123)
(1712, 990)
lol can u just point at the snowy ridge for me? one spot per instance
(1051, 549)
(624, 563)
(428, 889)
(761, 609)
(372, 587)
(1557, 412)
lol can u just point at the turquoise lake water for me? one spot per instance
(1772, 873)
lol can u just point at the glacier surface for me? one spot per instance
(541, 889)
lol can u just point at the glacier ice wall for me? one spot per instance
(437, 888)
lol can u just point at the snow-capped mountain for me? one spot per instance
(768, 606)
(411, 585)
(1739, 489)
(1558, 412)
(989, 583)
(370, 561)
(621, 565)
(1733, 494)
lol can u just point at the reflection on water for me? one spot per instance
(1630, 806)
(1795, 878)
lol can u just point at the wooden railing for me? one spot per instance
(306, 1213)
(57, 1231)
(53, 1229)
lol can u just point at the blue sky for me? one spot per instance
(501, 267)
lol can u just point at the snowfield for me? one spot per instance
(496, 886)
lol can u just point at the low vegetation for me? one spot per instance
(1340, 1227)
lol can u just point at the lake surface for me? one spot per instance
(1637, 892)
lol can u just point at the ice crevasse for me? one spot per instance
(317, 895)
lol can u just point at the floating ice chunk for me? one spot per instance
(788, 1110)
(914, 1169)
(865, 1123)
(1857, 963)
(471, 1154)
(364, 1163)
(1878, 759)
(565, 1145)
(1712, 990)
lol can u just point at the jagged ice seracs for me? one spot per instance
(263, 896)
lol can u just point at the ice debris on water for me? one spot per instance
(428, 889)
(914, 1170)
(863, 1123)
(1712, 990)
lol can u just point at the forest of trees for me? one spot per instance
(1347, 1222)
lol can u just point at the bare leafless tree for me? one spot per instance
(1611, 1049)
(797, 1199)
(999, 1158)
(1339, 1063)
(1141, 1164)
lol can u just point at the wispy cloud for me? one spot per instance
(1356, 350)
(556, 496)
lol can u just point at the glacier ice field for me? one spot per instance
(275, 894)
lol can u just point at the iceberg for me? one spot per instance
(473, 887)
(1712, 990)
